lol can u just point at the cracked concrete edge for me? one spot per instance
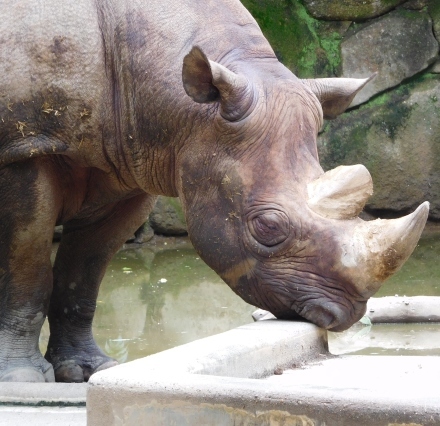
(43, 394)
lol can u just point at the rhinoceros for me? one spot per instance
(104, 105)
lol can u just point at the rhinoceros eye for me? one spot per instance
(270, 227)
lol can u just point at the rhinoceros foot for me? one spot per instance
(36, 370)
(74, 365)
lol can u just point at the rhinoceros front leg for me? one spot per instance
(85, 249)
(29, 205)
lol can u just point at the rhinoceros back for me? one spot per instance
(90, 80)
(51, 76)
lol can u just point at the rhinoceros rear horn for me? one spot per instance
(336, 94)
(206, 81)
(340, 193)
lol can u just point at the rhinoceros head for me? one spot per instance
(261, 212)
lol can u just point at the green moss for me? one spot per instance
(332, 46)
(434, 13)
(434, 8)
(297, 39)
(342, 144)
(399, 93)
(408, 13)
(393, 118)
(396, 95)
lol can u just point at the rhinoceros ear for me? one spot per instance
(336, 94)
(207, 81)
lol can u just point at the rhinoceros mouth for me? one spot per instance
(331, 316)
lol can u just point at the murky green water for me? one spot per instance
(159, 296)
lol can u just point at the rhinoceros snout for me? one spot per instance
(333, 317)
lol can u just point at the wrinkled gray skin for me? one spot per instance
(95, 122)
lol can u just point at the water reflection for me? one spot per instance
(159, 296)
(387, 339)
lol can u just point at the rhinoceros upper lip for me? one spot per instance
(324, 317)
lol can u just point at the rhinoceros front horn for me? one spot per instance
(378, 248)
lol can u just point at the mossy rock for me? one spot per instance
(396, 46)
(349, 10)
(308, 47)
(434, 12)
(415, 4)
(167, 217)
(397, 137)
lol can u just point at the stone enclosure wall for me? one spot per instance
(393, 125)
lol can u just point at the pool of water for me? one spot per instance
(387, 339)
(157, 296)
(161, 295)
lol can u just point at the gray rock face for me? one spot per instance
(397, 46)
(143, 234)
(436, 67)
(349, 10)
(167, 217)
(397, 137)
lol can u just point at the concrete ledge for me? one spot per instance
(250, 351)
(393, 309)
(365, 390)
(152, 387)
(237, 378)
(43, 394)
